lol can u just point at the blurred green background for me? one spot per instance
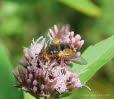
(23, 20)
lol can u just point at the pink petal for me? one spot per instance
(52, 33)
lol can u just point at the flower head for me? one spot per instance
(66, 36)
(44, 73)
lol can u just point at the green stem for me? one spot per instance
(53, 96)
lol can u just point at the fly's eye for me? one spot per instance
(52, 49)
(64, 46)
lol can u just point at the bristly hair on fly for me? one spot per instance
(61, 50)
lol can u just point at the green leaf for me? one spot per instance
(28, 96)
(96, 56)
(7, 90)
(66, 94)
(84, 6)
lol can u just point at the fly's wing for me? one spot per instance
(78, 60)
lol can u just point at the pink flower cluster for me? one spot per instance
(65, 36)
(42, 78)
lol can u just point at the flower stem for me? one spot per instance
(53, 96)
